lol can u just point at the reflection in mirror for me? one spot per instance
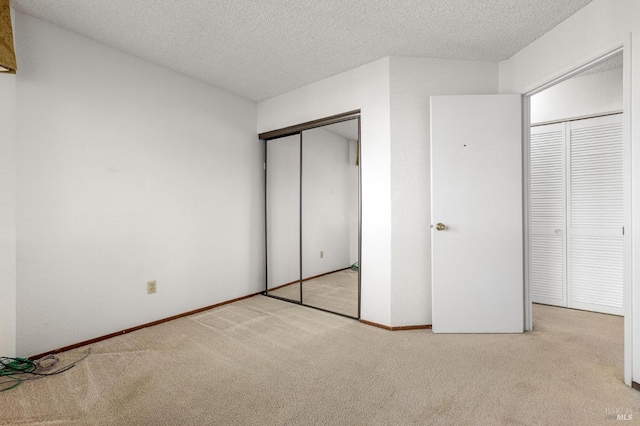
(283, 217)
(330, 190)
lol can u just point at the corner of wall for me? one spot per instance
(504, 76)
(8, 216)
(412, 82)
(365, 88)
(130, 182)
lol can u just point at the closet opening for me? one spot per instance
(313, 214)
(578, 250)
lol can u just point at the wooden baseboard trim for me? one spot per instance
(284, 285)
(635, 385)
(307, 279)
(139, 327)
(405, 327)
(412, 327)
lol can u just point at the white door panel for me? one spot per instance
(476, 166)
(547, 270)
(596, 214)
(547, 223)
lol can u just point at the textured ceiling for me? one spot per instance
(262, 48)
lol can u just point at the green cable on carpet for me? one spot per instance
(12, 367)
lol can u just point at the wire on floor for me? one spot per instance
(14, 371)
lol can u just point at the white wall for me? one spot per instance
(580, 96)
(7, 215)
(593, 29)
(325, 202)
(127, 172)
(365, 88)
(413, 82)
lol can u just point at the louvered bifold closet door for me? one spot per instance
(547, 246)
(596, 215)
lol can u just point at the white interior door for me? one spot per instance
(477, 194)
(547, 227)
(596, 215)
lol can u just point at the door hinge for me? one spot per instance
(623, 230)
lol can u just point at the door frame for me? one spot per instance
(622, 46)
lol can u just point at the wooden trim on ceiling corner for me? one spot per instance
(400, 328)
(297, 128)
(139, 327)
(635, 385)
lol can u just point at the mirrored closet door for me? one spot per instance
(283, 217)
(330, 218)
(313, 217)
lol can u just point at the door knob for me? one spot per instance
(441, 227)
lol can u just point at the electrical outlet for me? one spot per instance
(321, 254)
(151, 287)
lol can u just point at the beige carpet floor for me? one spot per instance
(336, 292)
(262, 361)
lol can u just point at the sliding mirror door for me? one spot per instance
(283, 217)
(330, 217)
(312, 183)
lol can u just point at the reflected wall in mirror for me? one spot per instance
(283, 217)
(330, 217)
